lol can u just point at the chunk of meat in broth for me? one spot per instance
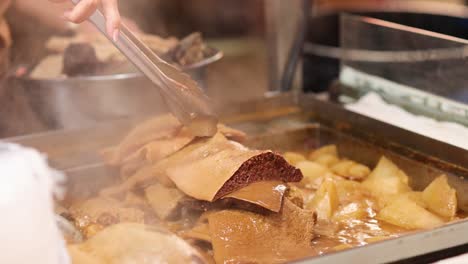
(267, 194)
(247, 237)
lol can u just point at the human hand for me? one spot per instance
(88, 29)
(86, 8)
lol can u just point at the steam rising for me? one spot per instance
(236, 78)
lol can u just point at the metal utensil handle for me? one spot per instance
(181, 93)
(128, 44)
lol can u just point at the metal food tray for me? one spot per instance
(298, 125)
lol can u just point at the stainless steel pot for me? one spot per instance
(76, 102)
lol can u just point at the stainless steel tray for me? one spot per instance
(283, 123)
(86, 181)
(421, 173)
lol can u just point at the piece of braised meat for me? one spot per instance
(80, 59)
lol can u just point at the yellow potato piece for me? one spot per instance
(440, 198)
(313, 173)
(325, 150)
(293, 157)
(351, 170)
(352, 211)
(341, 168)
(325, 201)
(414, 196)
(359, 171)
(349, 191)
(327, 160)
(386, 179)
(404, 212)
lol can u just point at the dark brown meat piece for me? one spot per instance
(188, 51)
(246, 237)
(266, 194)
(263, 167)
(213, 168)
(80, 59)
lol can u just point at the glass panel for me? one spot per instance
(422, 71)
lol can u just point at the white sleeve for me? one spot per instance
(28, 230)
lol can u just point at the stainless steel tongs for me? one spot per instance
(180, 92)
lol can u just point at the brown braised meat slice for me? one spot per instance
(161, 148)
(215, 167)
(164, 200)
(169, 203)
(247, 237)
(188, 51)
(200, 231)
(267, 194)
(80, 59)
(134, 243)
(158, 128)
(156, 139)
(254, 197)
(210, 168)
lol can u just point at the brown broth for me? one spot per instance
(330, 236)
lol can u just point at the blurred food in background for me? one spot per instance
(235, 27)
(89, 55)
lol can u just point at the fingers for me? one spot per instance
(81, 11)
(111, 12)
(86, 8)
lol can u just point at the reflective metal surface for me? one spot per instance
(281, 123)
(77, 102)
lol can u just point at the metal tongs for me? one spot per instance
(180, 92)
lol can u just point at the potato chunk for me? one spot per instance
(350, 170)
(386, 180)
(325, 201)
(440, 198)
(327, 160)
(325, 150)
(406, 213)
(293, 158)
(350, 191)
(351, 211)
(313, 173)
(416, 197)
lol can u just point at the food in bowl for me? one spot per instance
(95, 55)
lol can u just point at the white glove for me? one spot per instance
(28, 230)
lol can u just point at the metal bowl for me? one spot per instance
(65, 103)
